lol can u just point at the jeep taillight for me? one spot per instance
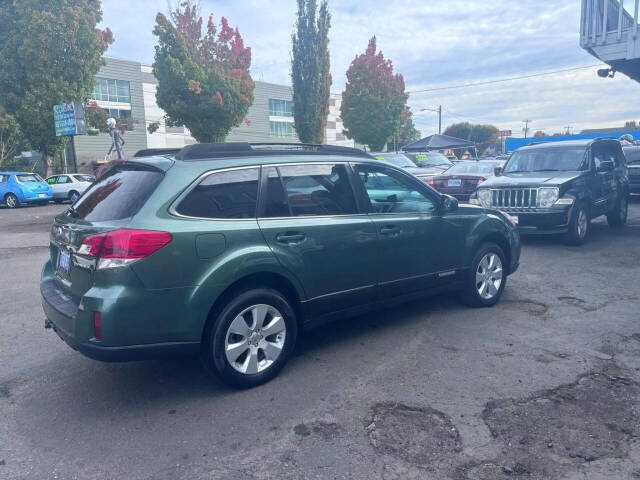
(122, 247)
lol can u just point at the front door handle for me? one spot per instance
(390, 230)
(291, 238)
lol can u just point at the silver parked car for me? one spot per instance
(69, 186)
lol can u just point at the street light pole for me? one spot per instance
(526, 127)
(439, 119)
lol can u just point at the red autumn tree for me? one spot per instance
(374, 100)
(204, 81)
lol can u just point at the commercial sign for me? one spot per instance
(69, 119)
(505, 133)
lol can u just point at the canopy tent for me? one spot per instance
(437, 142)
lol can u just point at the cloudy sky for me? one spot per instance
(434, 44)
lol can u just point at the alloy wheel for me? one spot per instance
(11, 201)
(582, 224)
(74, 196)
(255, 339)
(489, 276)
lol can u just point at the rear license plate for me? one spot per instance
(454, 182)
(64, 262)
(514, 218)
(41, 195)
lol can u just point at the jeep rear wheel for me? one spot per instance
(578, 226)
(618, 217)
(251, 339)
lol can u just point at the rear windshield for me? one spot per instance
(84, 178)
(119, 194)
(29, 178)
(472, 167)
(633, 155)
(397, 159)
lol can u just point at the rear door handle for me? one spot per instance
(390, 230)
(290, 238)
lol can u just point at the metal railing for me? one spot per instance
(606, 21)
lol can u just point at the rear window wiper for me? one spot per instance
(72, 212)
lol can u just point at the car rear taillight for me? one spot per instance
(428, 181)
(481, 179)
(97, 325)
(122, 247)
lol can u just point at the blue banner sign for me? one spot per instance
(69, 119)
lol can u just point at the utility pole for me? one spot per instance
(439, 112)
(526, 127)
(568, 129)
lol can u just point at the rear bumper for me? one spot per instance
(129, 353)
(36, 198)
(72, 322)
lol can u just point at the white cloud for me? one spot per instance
(432, 43)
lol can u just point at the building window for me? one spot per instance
(280, 108)
(109, 90)
(281, 129)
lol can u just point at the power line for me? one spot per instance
(490, 82)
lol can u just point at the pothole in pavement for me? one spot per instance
(593, 418)
(527, 306)
(417, 435)
(325, 430)
(489, 470)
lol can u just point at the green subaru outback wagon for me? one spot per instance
(230, 250)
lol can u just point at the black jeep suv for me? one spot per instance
(559, 187)
(633, 164)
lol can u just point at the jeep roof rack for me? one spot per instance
(202, 151)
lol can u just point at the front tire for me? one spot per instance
(618, 217)
(73, 196)
(251, 339)
(486, 278)
(578, 227)
(11, 201)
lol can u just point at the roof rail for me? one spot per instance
(200, 151)
(150, 152)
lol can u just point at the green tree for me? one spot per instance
(50, 51)
(203, 79)
(408, 132)
(374, 100)
(481, 135)
(310, 71)
(12, 141)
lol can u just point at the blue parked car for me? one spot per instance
(22, 187)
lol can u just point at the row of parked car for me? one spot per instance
(546, 187)
(20, 188)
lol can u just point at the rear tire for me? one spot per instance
(486, 277)
(618, 217)
(579, 226)
(251, 338)
(11, 201)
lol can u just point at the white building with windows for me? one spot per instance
(127, 91)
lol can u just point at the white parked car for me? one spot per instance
(69, 186)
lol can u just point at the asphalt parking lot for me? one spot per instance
(544, 385)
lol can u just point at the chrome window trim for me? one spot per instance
(196, 182)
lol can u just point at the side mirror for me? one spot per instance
(497, 171)
(606, 166)
(449, 204)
